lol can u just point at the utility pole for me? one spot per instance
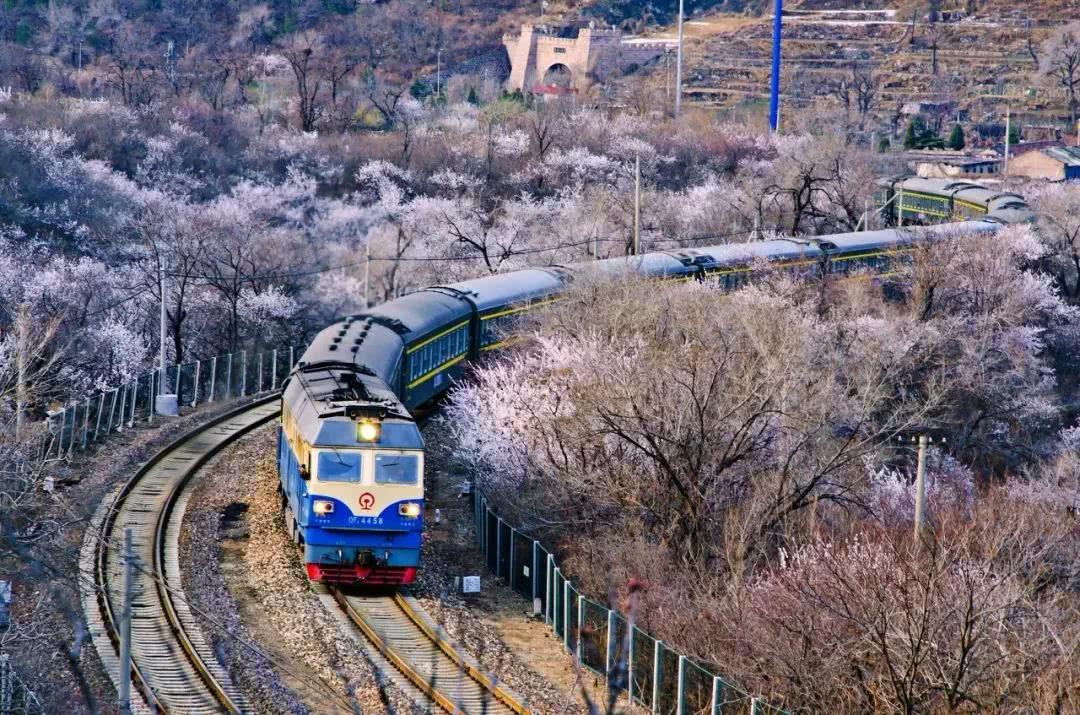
(367, 273)
(920, 488)
(438, 73)
(667, 81)
(923, 439)
(1008, 132)
(637, 205)
(162, 384)
(774, 90)
(678, 65)
(124, 676)
(22, 332)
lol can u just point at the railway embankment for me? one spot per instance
(48, 592)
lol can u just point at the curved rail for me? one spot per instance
(172, 665)
(426, 657)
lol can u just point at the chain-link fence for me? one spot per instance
(654, 675)
(15, 697)
(86, 421)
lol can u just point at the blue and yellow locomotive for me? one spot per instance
(351, 464)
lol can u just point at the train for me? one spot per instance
(918, 201)
(350, 454)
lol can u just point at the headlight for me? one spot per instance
(322, 507)
(367, 431)
(410, 510)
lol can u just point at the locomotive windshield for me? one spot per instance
(396, 468)
(336, 466)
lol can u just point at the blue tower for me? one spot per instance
(774, 95)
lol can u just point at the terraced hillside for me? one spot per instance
(979, 58)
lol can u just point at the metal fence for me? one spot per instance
(654, 675)
(87, 421)
(15, 697)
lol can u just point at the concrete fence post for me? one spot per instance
(100, 409)
(213, 378)
(134, 400)
(549, 587)
(609, 647)
(195, 391)
(498, 546)
(228, 377)
(510, 573)
(566, 611)
(123, 406)
(535, 570)
(86, 424)
(580, 625)
(657, 674)
(680, 708)
(150, 392)
(112, 410)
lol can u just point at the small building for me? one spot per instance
(5, 604)
(1041, 133)
(1060, 163)
(953, 168)
(930, 108)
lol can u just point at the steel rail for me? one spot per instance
(403, 637)
(165, 675)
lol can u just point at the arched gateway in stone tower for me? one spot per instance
(543, 62)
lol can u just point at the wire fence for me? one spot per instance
(647, 670)
(87, 421)
(15, 697)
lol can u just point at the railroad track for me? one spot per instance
(172, 664)
(421, 653)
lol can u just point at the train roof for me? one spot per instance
(323, 395)
(415, 315)
(507, 288)
(647, 264)
(936, 186)
(975, 194)
(868, 240)
(1007, 201)
(1012, 215)
(359, 341)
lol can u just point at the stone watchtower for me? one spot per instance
(541, 62)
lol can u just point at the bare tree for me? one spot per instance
(212, 80)
(864, 84)
(301, 55)
(131, 69)
(1061, 63)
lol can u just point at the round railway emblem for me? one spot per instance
(367, 500)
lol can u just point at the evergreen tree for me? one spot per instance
(956, 138)
(1014, 134)
(920, 135)
(911, 136)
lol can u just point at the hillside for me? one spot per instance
(980, 49)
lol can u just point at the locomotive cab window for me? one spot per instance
(397, 469)
(339, 466)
